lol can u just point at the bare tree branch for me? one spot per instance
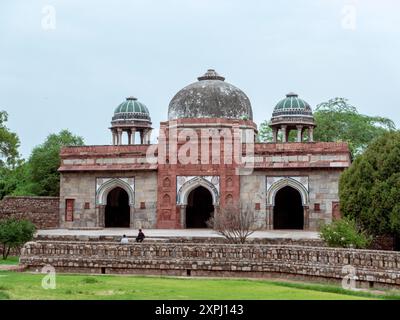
(235, 222)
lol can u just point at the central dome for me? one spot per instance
(210, 97)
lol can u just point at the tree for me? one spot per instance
(16, 181)
(14, 233)
(369, 189)
(264, 132)
(235, 223)
(337, 120)
(45, 161)
(9, 143)
(38, 176)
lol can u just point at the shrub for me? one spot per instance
(14, 233)
(344, 233)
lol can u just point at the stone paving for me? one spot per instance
(167, 233)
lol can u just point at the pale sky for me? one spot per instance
(73, 73)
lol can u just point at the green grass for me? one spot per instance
(9, 261)
(28, 286)
(4, 295)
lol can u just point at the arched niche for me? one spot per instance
(278, 185)
(189, 186)
(109, 185)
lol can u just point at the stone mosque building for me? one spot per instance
(206, 158)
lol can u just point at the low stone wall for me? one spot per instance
(373, 268)
(43, 212)
(183, 239)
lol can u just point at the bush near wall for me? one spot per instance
(344, 233)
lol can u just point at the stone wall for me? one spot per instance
(105, 158)
(42, 211)
(191, 240)
(373, 268)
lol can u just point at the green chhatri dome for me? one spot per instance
(292, 103)
(292, 111)
(131, 109)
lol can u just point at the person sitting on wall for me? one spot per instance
(140, 236)
(124, 239)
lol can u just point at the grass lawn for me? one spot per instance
(9, 261)
(28, 286)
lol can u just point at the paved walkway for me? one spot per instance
(168, 233)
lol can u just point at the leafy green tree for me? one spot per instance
(44, 162)
(264, 132)
(16, 181)
(9, 143)
(337, 120)
(9, 158)
(14, 233)
(37, 176)
(370, 189)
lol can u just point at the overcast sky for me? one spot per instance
(69, 63)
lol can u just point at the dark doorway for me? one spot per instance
(200, 208)
(288, 210)
(396, 243)
(117, 213)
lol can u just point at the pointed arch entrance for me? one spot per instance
(288, 209)
(199, 208)
(198, 199)
(117, 211)
(113, 195)
(287, 203)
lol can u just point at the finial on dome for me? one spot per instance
(292, 94)
(131, 98)
(211, 74)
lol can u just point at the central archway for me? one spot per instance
(288, 209)
(117, 213)
(199, 208)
